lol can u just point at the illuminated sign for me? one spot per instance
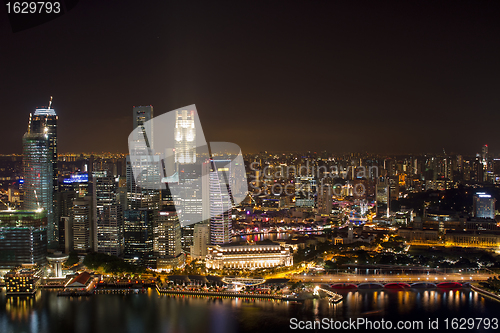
(77, 178)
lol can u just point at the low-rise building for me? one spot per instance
(245, 256)
(22, 281)
(81, 283)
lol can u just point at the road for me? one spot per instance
(356, 278)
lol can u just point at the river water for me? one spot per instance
(150, 312)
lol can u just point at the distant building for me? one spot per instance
(484, 205)
(485, 239)
(201, 240)
(245, 256)
(23, 238)
(325, 201)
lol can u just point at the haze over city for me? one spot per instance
(385, 77)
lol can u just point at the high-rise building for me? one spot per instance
(201, 240)
(108, 215)
(142, 114)
(382, 196)
(23, 238)
(220, 202)
(167, 240)
(37, 186)
(167, 234)
(143, 192)
(185, 137)
(484, 205)
(138, 235)
(83, 229)
(44, 122)
(325, 201)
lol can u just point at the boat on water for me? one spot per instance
(397, 285)
(423, 285)
(449, 285)
(344, 286)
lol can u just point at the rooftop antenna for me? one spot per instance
(50, 102)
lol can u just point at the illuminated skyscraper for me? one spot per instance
(139, 196)
(189, 173)
(220, 202)
(185, 137)
(44, 124)
(37, 170)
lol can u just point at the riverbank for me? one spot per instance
(485, 293)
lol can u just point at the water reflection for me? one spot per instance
(153, 313)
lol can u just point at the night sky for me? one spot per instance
(384, 77)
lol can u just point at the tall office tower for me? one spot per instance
(108, 215)
(382, 196)
(139, 196)
(23, 238)
(190, 198)
(167, 234)
(138, 235)
(201, 240)
(189, 175)
(142, 114)
(325, 200)
(37, 170)
(83, 229)
(44, 121)
(185, 137)
(220, 202)
(305, 187)
(484, 205)
(484, 161)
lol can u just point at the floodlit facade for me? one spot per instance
(236, 256)
(185, 137)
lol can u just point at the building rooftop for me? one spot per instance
(45, 112)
